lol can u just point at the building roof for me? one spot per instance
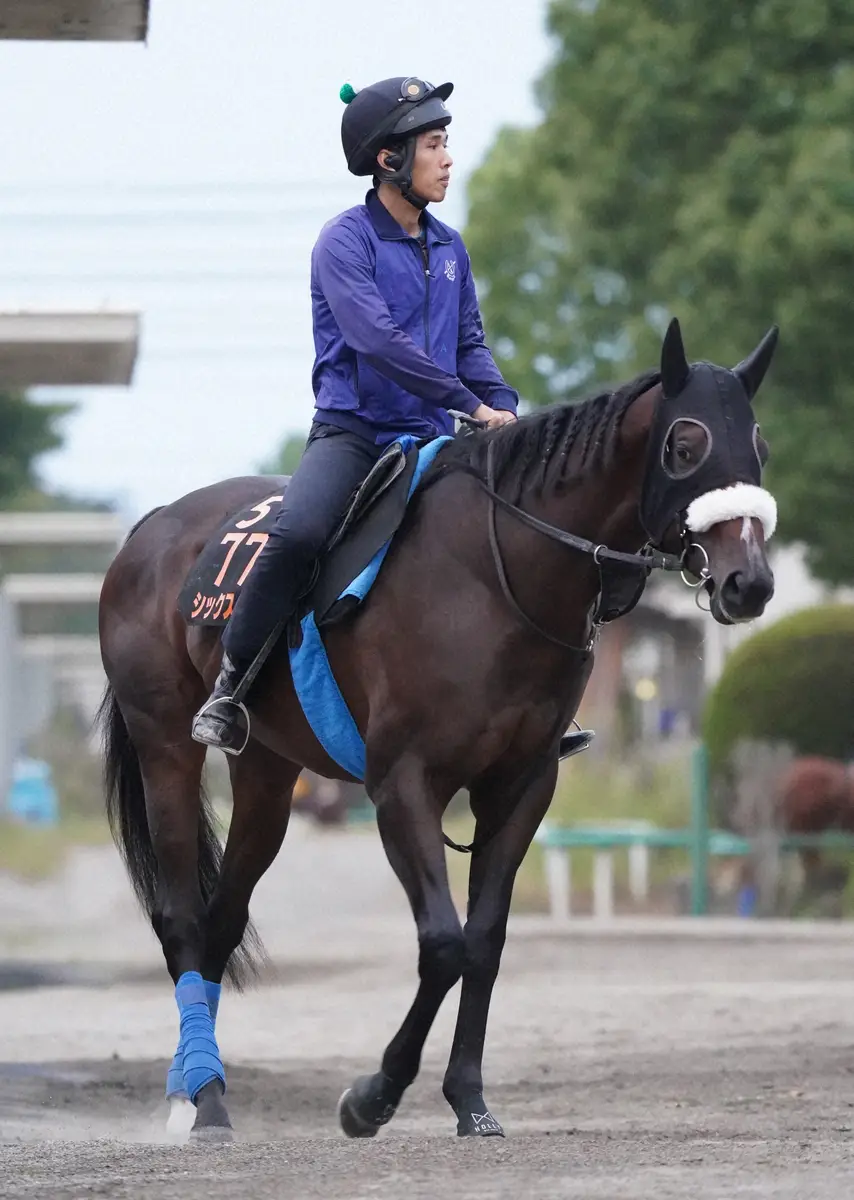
(68, 349)
(75, 20)
(61, 529)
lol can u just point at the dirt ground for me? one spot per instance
(641, 1059)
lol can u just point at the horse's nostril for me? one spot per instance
(731, 588)
(743, 594)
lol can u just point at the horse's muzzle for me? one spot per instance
(742, 596)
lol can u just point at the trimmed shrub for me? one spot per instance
(792, 682)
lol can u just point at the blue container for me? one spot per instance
(747, 901)
(33, 797)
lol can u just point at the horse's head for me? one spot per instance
(703, 476)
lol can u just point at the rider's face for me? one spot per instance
(431, 171)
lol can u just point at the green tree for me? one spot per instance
(27, 431)
(694, 160)
(285, 459)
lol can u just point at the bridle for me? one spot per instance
(615, 566)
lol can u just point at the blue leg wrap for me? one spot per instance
(197, 1045)
(213, 991)
(175, 1074)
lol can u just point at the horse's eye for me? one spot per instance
(683, 452)
(686, 447)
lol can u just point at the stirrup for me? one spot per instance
(240, 706)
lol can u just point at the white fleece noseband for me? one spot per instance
(729, 503)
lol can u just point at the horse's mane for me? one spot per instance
(538, 448)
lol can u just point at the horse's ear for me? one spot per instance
(674, 364)
(751, 371)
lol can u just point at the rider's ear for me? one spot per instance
(751, 371)
(674, 364)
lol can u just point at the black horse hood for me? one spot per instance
(727, 447)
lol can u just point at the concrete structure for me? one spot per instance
(75, 20)
(60, 529)
(40, 349)
(50, 348)
(8, 721)
(42, 670)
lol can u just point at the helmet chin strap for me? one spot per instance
(401, 178)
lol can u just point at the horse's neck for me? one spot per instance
(557, 587)
(604, 507)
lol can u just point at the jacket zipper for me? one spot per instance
(425, 258)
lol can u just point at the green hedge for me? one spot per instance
(792, 682)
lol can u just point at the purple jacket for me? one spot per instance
(397, 331)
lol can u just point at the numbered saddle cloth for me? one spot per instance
(345, 576)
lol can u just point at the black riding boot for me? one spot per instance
(221, 721)
(574, 743)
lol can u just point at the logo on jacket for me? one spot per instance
(450, 269)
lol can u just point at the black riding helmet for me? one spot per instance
(389, 114)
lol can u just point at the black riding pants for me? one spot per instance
(334, 463)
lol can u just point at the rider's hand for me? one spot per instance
(493, 418)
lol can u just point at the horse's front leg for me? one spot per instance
(507, 820)
(409, 811)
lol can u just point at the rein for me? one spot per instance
(648, 557)
(644, 562)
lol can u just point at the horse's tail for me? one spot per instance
(126, 813)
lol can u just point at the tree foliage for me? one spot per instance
(285, 459)
(27, 431)
(694, 160)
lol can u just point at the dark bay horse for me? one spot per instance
(462, 670)
(814, 795)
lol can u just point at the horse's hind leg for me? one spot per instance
(409, 821)
(187, 855)
(262, 784)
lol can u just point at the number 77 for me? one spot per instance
(237, 539)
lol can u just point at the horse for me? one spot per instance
(461, 670)
(815, 794)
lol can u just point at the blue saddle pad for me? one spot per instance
(324, 706)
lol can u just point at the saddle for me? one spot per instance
(372, 517)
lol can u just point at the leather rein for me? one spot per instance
(643, 562)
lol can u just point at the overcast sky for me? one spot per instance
(229, 92)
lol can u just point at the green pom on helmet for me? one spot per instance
(347, 93)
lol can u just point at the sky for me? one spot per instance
(225, 97)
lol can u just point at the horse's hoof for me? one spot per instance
(211, 1135)
(368, 1105)
(475, 1120)
(351, 1123)
(182, 1114)
(212, 1124)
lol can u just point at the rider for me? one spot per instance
(398, 341)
